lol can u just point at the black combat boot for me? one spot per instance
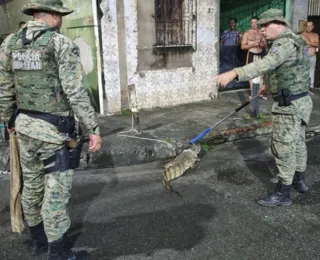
(39, 243)
(299, 182)
(279, 197)
(58, 251)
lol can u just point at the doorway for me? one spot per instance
(316, 22)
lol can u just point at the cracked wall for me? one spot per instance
(158, 87)
(10, 16)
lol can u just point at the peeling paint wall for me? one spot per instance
(10, 16)
(164, 87)
(78, 26)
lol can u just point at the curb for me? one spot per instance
(252, 131)
(149, 154)
(160, 152)
(236, 134)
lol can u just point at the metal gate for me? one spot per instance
(242, 11)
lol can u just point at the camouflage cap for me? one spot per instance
(273, 15)
(46, 5)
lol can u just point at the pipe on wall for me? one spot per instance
(98, 55)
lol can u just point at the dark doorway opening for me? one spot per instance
(316, 22)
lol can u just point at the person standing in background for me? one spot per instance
(231, 37)
(312, 40)
(253, 42)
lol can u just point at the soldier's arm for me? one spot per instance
(72, 80)
(303, 37)
(280, 52)
(7, 91)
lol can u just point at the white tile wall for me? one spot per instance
(160, 88)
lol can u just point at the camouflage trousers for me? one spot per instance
(288, 145)
(44, 197)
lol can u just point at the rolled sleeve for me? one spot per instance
(279, 53)
(7, 87)
(72, 80)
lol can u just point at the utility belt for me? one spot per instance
(285, 98)
(64, 124)
(69, 156)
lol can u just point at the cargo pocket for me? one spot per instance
(283, 135)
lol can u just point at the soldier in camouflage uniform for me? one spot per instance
(286, 68)
(41, 75)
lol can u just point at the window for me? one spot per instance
(175, 22)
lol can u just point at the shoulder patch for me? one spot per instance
(274, 49)
(76, 52)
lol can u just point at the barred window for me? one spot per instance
(175, 22)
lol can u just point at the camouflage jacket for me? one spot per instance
(282, 70)
(285, 65)
(71, 76)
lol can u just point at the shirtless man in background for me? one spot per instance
(253, 42)
(312, 40)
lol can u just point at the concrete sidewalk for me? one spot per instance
(176, 126)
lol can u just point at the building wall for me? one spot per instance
(299, 12)
(146, 59)
(10, 16)
(158, 87)
(79, 27)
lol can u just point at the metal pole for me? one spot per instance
(255, 103)
(98, 56)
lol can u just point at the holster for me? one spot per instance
(69, 156)
(12, 119)
(10, 124)
(284, 95)
(64, 159)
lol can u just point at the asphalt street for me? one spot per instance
(125, 213)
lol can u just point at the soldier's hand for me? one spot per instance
(95, 142)
(225, 78)
(10, 130)
(262, 89)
